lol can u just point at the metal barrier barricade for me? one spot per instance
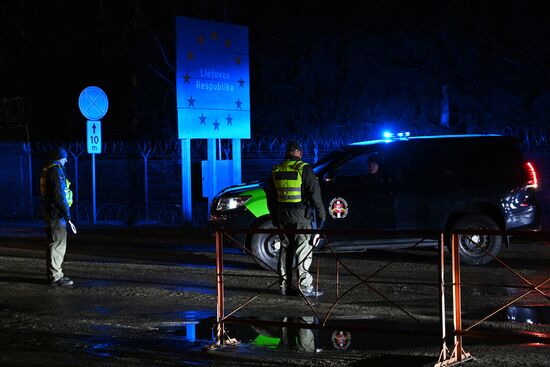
(446, 357)
(459, 355)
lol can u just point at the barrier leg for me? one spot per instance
(458, 355)
(219, 295)
(443, 355)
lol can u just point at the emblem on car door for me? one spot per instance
(338, 208)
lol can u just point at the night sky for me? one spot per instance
(317, 68)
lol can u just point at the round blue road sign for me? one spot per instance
(93, 103)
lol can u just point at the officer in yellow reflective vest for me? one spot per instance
(54, 189)
(293, 194)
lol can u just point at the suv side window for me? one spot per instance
(356, 168)
(425, 161)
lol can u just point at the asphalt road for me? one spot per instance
(147, 296)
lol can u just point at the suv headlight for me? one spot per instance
(228, 203)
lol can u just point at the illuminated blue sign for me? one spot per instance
(212, 80)
(93, 103)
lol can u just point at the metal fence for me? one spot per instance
(140, 182)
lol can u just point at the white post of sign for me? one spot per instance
(93, 104)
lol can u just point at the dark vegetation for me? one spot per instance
(317, 68)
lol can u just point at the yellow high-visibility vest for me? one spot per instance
(43, 189)
(287, 178)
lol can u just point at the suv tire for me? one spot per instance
(265, 247)
(470, 253)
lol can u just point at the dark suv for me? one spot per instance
(429, 182)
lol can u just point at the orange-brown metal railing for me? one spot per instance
(458, 355)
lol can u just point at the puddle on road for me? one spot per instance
(306, 334)
(302, 334)
(529, 314)
(186, 338)
(175, 343)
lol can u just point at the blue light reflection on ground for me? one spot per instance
(99, 346)
(208, 248)
(203, 266)
(102, 346)
(195, 315)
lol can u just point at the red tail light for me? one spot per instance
(532, 180)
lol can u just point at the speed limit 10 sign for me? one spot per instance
(93, 137)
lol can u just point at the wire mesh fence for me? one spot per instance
(140, 182)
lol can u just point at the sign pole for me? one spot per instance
(93, 190)
(186, 194)
(212, 169)
(236, 156)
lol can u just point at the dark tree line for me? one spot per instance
(317, 68)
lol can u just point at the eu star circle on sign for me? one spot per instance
(93, 103)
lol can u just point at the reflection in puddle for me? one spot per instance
(189, 323)
(529, 314)
(305, 334)
(292, 337)
(99, 346)
(99, 349)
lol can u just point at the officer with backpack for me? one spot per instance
(293, 194)
(58, 198)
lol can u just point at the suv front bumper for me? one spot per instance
(240, 218)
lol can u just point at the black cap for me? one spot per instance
(59, 153)
(293, 145)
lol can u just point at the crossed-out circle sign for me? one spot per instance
(93, 103)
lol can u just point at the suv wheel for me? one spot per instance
(471, 246)
(265, 247)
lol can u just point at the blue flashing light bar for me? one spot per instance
(402, 135)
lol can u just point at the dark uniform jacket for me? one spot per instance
(297, 212)
(56, 206)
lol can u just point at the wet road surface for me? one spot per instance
(147, 296)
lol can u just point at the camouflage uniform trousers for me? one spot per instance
(56, 231)
(296, 246)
